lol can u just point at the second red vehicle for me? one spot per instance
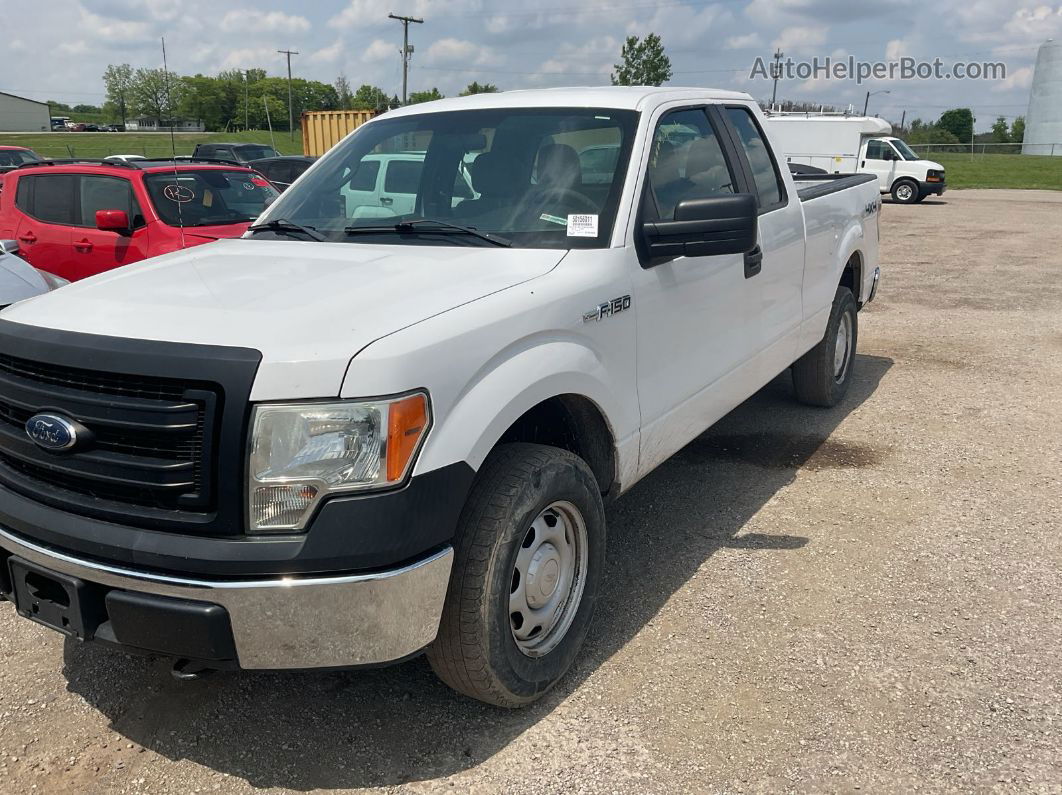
(79, 219)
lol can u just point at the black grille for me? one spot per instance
(150, 442)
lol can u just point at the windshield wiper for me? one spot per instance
(439, 226)
(281, 225)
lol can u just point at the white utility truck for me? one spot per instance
(840, 144)
(349, 437)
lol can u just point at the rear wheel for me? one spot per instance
(529, 553)
(905, 191)
(822, 375)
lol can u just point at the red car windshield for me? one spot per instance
(208, 197)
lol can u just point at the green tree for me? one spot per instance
(55, 105)
(118, 81)
(155, 94)
(344, 95)
(959, 122)
(921, 133)
(424, 96)
(85, 109)
(1017, 130)
(643, 63)
(370, 97)
(478, 88)
(1000, 132)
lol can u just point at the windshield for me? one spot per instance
(540, 178)
(256, 152)
(209, 196)
(16, 157)
(906, 152)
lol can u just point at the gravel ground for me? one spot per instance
(865, 598)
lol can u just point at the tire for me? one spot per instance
(501, 552)
(822, 375)
(905, 191)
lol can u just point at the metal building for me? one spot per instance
(1043, 122)
(18, 114)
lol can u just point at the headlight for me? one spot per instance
(301, 452)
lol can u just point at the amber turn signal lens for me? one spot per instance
(407, 422)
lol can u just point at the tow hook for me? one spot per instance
(189, 670)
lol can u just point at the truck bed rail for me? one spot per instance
(813, 186)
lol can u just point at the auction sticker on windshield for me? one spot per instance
(582, 226)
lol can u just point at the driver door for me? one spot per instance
(874, 162)
(697, 316)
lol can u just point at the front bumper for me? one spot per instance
(281, 622)
(932, 188)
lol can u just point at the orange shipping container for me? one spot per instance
(323, 129)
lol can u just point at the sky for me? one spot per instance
(517, 44)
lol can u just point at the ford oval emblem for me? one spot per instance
(51, 432)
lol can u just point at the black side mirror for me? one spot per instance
(705, 228)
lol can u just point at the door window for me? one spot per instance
(764, 171)
(875, 150)
(52, 198)
(687, 162)
(108, 193)
(365, 175)
(403, 176)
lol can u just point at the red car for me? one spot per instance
(79, 219)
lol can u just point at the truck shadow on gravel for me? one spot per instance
(388, 726)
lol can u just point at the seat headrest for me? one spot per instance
(703, 155)
(558, 166)
(493, 175)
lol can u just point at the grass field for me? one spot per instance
(79, 144)
(1000, 171)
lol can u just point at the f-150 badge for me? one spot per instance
(607, 309)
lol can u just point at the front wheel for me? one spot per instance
(905, 192)
(822, 375)
(529, 552)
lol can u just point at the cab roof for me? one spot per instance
(618, 97)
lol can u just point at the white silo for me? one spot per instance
(1043, 122)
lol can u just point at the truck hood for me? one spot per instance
(308, 307)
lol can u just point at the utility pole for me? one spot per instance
(903, 118)
(246, 100)
(407, 50)
(776, 72)
(291, 118)
(866, 103)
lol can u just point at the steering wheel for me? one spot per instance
(566, 197)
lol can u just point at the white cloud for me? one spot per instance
(329, 54)
(379, 50)
(747, 41)
(800, 39)
(458, 51)
(246, 57)
(1018, 78)
(244, 21)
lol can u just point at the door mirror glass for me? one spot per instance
(8, 247)
(112, 220)
(705, 227)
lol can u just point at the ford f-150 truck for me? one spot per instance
(360, 433)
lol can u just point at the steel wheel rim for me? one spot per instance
(842, 347)
(548, 579)
(904, 192)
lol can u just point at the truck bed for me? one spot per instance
(814, 186)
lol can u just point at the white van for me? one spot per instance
(851, 144)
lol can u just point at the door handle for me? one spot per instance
(864, 164)
(83, 245)
(28, 238)
(386, 200)
(753, 262)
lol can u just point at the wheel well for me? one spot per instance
(852, 275)
(573, 423)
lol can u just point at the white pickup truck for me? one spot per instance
(350, 437)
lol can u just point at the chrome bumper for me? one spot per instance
(294, 622)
